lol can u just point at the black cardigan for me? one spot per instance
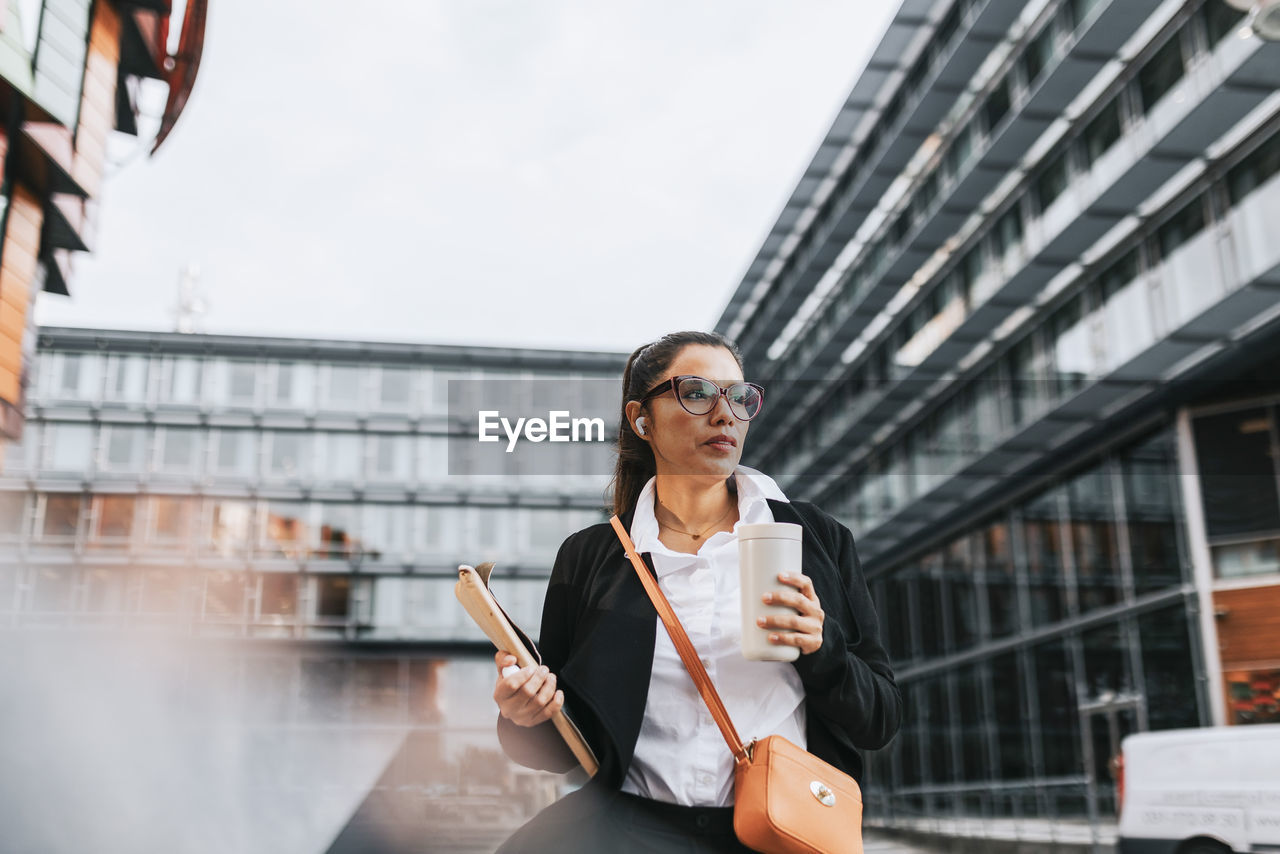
(597, 636)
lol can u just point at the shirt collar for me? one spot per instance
(753, 489)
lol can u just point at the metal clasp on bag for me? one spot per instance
(823, 793)
(748, 751)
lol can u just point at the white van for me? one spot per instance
(1200, 791)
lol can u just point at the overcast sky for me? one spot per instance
(552, 173)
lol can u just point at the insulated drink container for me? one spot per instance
(764, 550)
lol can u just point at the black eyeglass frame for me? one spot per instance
(673, 384)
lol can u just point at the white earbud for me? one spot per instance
(640, 426)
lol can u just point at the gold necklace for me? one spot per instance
(688, 534)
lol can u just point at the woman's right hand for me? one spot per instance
(528, 696)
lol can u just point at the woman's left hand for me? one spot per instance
(803, 629)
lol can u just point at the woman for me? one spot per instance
(666, 775)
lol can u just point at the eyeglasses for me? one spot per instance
(698, 395)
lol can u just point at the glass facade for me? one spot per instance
(1017, 637)
(307, 500)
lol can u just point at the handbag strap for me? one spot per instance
(684, 646)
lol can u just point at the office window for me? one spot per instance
(896, 617)
(1255, 170)
(389, 457)
(338, 531)
(242, 383)
(70, 447)
(172, 519)
(1028, 376)
(1103, 132)
(13, 514)
(341, 457)
(930, 600)
(1182, 226)
(892, 110)
(279, 596)
(333, 596)
(1172, 699)
(182, 378)
(234, 452)
(123, 448)
(285, 529)
(493, 528)
(178, 450)
(963, 592)
(1039, 54)
(387, 530)
(997, 105)
(72, 376)
(395, 387)
(1163, 70)
(1128, 319)
(1006, 235)
(432, 458)
(938, 730)
(1070, 335)
(1151, 494)
(547, 530)
(996, 560)
(1059, 719)
(66, 374)
(442, 529)
(126, 379)
(1092, 523)
(1106, 661)
(1220, 21)
(1237, 461)
(440, 380)
(959, 153)
(288, 454)
(1046, 581)
(292, 385)
(974, 764)
(231, 527)
(912, 732)
(61, 516)
(1053, 181)
(112, 519)
(1012, 734)
(342, 387)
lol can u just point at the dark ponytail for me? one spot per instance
(644, 370)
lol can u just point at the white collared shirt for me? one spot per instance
(680, 756)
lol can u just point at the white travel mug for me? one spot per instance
(764, 550)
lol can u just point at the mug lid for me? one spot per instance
(771, 531)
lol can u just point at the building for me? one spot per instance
(69, 75)
(288, 517)
(1019, 323)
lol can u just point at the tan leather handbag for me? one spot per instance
(785, 799)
